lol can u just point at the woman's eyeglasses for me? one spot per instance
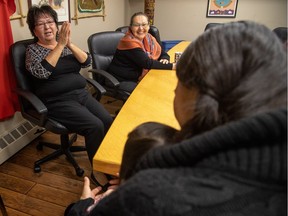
(42, 24)
(143, 25)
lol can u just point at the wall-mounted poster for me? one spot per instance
(89, 8)
(62, 7)
(222, 8)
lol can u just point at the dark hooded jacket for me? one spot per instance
(238, 169)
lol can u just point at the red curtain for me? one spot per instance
(8, 100)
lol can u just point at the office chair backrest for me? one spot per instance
(102, 46)
(153, 31)
(24, 78)
(281, 33)
(211, 25)
(25, 81)
(123, 29)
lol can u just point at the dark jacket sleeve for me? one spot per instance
(140, 58)
(79, 208)
(164, 55)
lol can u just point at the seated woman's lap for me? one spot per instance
(86, 117)
(83, 112)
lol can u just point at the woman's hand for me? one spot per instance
(63, 39)
(100, 196)
(114, 183)
(87, 192)
(174, 66)
(164, 61)
(64, 34)
(96, 193)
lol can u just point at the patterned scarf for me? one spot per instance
(149, 45)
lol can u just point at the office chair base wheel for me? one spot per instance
(79, 172)
(37, 168)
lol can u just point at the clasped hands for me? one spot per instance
(65, 34)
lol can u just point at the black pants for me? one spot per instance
(81, 114)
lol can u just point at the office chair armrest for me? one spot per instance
(34, 100)
(106, 75)
(99, 88)
(37, 104)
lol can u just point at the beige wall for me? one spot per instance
(186, 19)
(177, 20)
(115, 11)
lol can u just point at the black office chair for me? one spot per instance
(211, 25)
(281, 33)
(153, 30)
(36, 112)
(102, 47)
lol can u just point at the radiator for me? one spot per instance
(14, 140)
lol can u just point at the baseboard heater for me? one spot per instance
(14, 140)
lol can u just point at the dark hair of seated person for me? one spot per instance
(143, 138)
(226, 80)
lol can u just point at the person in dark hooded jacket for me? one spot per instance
(231, 153)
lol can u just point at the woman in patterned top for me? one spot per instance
(55, 63)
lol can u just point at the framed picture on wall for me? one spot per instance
(222, 8)
(89, 8)
(62, 7)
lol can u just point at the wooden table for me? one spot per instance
(152, 100)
